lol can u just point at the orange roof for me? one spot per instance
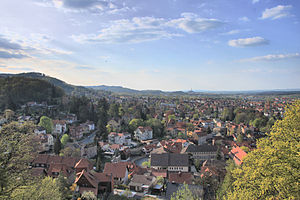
(238, 155)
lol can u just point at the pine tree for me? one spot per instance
(57, 145)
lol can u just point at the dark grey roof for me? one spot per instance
(202, 148)
(139, 180)
(169, 159)
(160, 159)
(197, 190)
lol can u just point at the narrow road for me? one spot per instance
(89, 139)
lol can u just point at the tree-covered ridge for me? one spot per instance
(272, 170)
(15, 91)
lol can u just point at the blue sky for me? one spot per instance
(155, 44)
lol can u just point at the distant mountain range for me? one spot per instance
(85, 90)
(123, 90)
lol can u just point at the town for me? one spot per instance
(115, 146)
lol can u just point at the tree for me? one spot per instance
(9, 114)
(45, 189)
(134, 123)
(88, 196)
(57, 145)
(63, 185)
(227, 182)
(114, 111)
(64, 139)
(157, 127)
(47, 123)
(160, 180)
(146, 164)
(103, 118)
(246, 149)
(17, 147)
(69, 152)
(240, 138)
(184, 193)
(272, 170)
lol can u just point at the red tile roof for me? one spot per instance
(181, 177)
(238, 155)
(116, 169)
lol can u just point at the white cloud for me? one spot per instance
(94, 6)
(141, 29)
(246, 42)
(244, 19)
(255, 1)
(232, 32)
(277, 12)
(271, 57)
(129, 31)
(191, 23)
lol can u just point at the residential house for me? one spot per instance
(170, 161)
(60, 126)
(237, 154)
(83, 164)
(46, 141)
(141, 183)
(181, 177)
(90, 125)
(202, 152)
(118, 170)
(39, 130)
(76, 132)
(53, 165)
(98, 183)
(143, 133)
(119, 138)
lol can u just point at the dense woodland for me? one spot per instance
(15, 91)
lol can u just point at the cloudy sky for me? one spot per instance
(155, 44)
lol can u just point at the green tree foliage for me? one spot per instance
(45, 189)
(260, 122)
(240, 138)
(146, 164)
(64, 186)
(114, 110)
(184, 193)
(160, 180)
(157, 127)
(226, 186)
(88, 196)
(57, 145)
(64, 139)
(83, 108)
(17, 146)
(246, 149)
(102, 118)
(171, 117)
(134, 123)
(47, 123)
(15, 91)
(9, 114)
(69, 152)
(196, 116)
(272, 170)
(227, 114)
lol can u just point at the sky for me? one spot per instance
(155, 44)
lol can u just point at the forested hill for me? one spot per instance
(15, 91)
(69, 89)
